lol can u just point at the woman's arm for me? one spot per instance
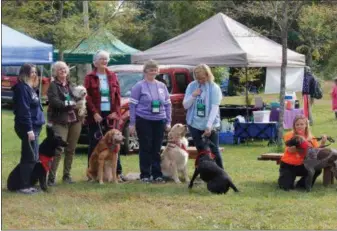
(90, 105)
(188, 98)
(22, 107)
(133, 101)
(53, 97)
(216, 98)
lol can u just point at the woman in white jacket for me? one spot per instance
(202, 100)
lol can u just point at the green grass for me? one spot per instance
(259, 205)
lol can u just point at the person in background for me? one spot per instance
(292, 161)
(64, 120)
(28, 122)
(150, 116)
(334, 97)
(202, 100)
(103, 102)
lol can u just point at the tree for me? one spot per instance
(318, 31)
(283, 14)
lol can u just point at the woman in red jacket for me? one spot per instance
(103, 101)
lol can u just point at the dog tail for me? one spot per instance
(232, 185)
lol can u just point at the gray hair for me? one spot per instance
(56, 66)
(150, 64)
(101, 54)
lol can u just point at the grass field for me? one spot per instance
(259, 205)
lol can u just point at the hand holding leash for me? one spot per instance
(97, 118)
(31, 135)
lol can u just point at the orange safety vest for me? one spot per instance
(295, 158)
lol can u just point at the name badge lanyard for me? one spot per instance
(155, 104)
(201, 107)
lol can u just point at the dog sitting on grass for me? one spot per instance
(315, 158)
(46, 154)
(218, 181)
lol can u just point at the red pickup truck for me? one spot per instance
(9, 77)
(176, 78)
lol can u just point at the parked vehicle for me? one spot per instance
(176, 78)
(9, 77)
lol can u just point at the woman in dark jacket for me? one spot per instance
(103, 101)
(64, 119)
(29, 119)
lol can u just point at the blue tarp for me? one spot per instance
(18, 48)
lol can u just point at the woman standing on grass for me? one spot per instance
(103, 102)
(202, 100)
(28, 119)
(150, 116)
(64, 119)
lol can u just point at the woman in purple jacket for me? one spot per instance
(150, 116)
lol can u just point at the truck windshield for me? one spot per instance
(127, 80)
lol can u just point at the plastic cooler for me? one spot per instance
(261, 116)
(226, 137)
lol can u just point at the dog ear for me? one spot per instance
(50, 131)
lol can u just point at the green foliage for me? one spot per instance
(220, 73)
(318, 31)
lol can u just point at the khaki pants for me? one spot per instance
(70, 133)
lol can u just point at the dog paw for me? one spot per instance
(101, 182)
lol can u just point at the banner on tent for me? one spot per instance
(294, 79)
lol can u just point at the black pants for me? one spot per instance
(93, 141)
(29, 154)
(150, 134)
(288, 175)
(199, 144)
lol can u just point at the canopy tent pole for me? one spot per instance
(247, 113)
(40, 85)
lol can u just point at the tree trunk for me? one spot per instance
(284, 37)
(61, 55)
(309, 57)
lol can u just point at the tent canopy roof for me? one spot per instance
(99, 40)
(220, 40)
(18, 48)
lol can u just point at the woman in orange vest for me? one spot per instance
(292, 160)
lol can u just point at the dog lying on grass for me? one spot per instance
(46, 154)
(103, 160)
(315, 158)
(217, 179)
(174, 157)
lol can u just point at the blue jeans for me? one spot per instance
(92, 129)
(29, 153)
(199, 144)
(150, 135)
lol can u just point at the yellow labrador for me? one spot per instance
(175, 156)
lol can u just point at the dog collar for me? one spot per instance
(45, 161)
(180, 145)
(203, 152)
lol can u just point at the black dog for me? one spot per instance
(218, 181)
(315, 158)
(46, 153)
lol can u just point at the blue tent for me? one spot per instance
(18, 48)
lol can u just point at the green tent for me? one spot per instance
(120, 53)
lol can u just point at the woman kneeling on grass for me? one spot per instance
(292, 161)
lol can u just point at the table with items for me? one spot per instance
(252, 130)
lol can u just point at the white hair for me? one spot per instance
(101, 54)
(58, 65)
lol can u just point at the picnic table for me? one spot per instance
(328, 177)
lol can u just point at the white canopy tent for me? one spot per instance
(220, 40)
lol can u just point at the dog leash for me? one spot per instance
(99, 134)
(329, 138)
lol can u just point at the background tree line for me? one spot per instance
(144, 24)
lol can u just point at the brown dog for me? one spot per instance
(104, 157)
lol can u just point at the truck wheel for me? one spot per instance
(130, 142)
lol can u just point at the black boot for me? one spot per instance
(336, 114)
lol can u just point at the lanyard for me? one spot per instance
(150, 90)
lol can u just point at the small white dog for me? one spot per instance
(175, 156)
(80, 92)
